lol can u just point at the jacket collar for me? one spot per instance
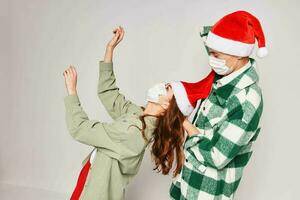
(226, 86)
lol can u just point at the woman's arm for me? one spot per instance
(86, 131)
(108, 92)
(81, 128)
(113, 138)
(117, 139)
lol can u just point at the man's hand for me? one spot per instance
(189, 127)
(70, 76)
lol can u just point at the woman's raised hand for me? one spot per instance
(119, 34)
(70, 76)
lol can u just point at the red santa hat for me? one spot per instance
(235, 34)
(187, 94)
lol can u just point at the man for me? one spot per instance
(220, 137)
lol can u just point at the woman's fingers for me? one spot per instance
(66, 73)
(70, 76)
(118, 28)
(121, 34)
(73, 70)
(118, 36)
(70, 72)
(114, 40)
(121, 30)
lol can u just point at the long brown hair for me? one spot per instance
(168, 138)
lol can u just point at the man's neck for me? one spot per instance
(242, 63)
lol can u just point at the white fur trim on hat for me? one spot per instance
(181, 98)
(228, 46)
(262, 52)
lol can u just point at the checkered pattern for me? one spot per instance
(228, 122)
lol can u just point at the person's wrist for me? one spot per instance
(72, 92)
(109, 48)
(185, 122)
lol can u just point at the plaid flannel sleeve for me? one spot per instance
(232, 134)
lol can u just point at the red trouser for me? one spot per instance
(81, 181)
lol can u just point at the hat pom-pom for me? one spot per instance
(262, 52)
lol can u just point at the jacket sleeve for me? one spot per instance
(86, 131)
(230, 136)
(108, 92)
(115, 139)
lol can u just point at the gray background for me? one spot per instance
(39, 39)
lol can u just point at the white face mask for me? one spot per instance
(155, 91)
(219, 65)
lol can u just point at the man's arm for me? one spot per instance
(230, 136)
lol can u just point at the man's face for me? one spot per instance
(231, 60)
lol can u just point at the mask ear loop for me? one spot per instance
(165, 104)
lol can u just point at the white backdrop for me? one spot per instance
(39, 39)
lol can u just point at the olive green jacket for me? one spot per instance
(120, 146)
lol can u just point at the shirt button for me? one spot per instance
(186, 160)
(203, 107)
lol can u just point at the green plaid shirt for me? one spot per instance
(228, 122)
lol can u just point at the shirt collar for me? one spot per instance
(226, 86)
(226, 79)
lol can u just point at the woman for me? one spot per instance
(120, 145)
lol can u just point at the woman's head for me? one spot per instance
(172, 102)
(168, 138)
(158, 98)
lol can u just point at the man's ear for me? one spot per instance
(203, 34)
